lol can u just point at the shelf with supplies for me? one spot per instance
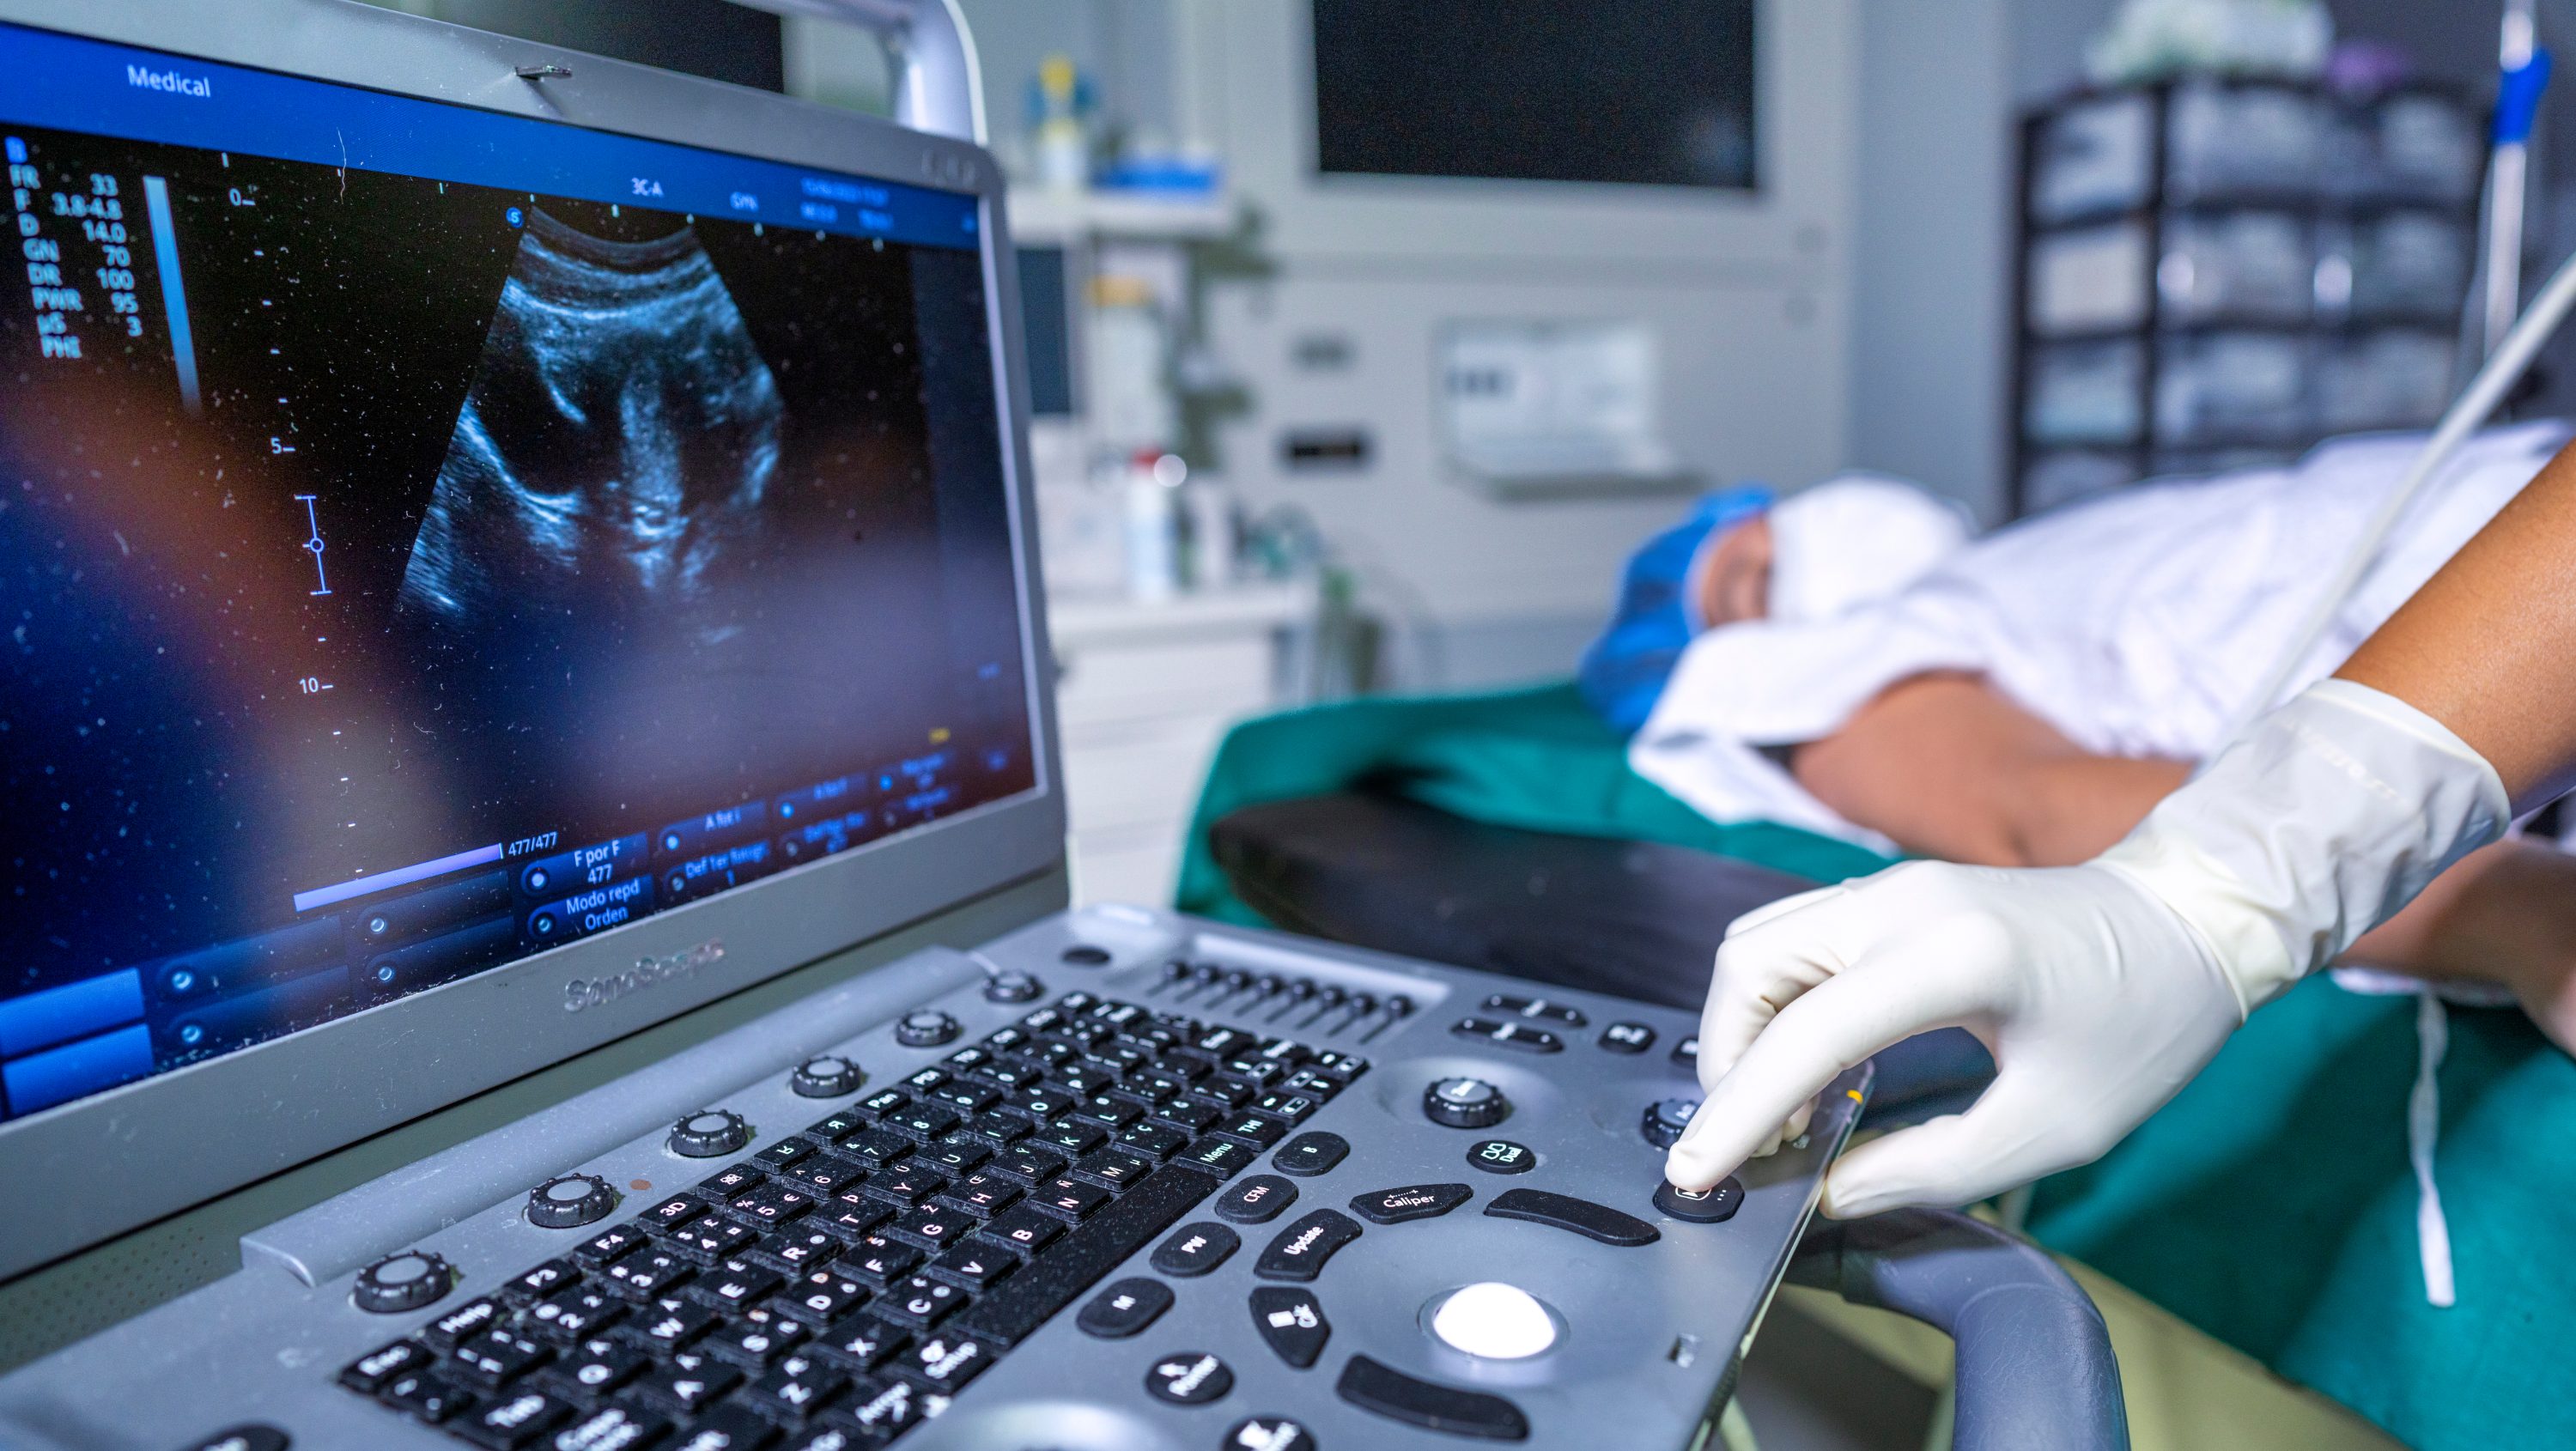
(2222, 271)
(1144, 692)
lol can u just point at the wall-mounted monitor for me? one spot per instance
(1638, 92)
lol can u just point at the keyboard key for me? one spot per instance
(923, 1122)
(729, 1181)
(729, 1428)
(1389, 1392)
(1031, 1163)
(838, 1126)
(610, 1243)
(983, 1194)
(575, 1314)
(934, 1227)
(968, 1096)
(426, 1397)
(926, 1080)
(972, 1266)
(1000, 1128)
(1225, 1088)
(1011, 1311)
(1073, 1136)
(1413, 1201)
(823, 1175)
(1068, 1198)
(1193, 1114)
(1005, 1040)
(755, 1337)
(1292, 1323)
(1191, 1378)
(829, 1295)
(872, 1147)
(656, 1271)
(538, 1283)
(880, 1259)
(1113, 1169)
(1195, 1249)
(677, 1210)
(610, 1428)
(384, 1363)
(1022, 1230)
(497, 1357)
(1109, 1110)
(944, 1363)
(1259, 1130)
(862, 1342)
(1312, 1082)
(906, 1186)
(1343, 1066)
(852, 1218)
(710, 1240)
(1256, 1200)
(1313, 1152)
(512, 1421)
(798, 1387)
(955, 1154)
(1627, 1038)
(919, 1301)
(597, 1366)
(689, 1381)
(733, 1285)
(1302, 1248)
(1160, 1140)
(1125, 1308)
(802, 1248)
(880, 1410)
(469, 1319)
(786, 1151)
(1294, 1107)
(775, 1202)
(1222, 1157)
(885, 1101)
(668, 1324)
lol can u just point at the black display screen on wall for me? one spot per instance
(1642, 92)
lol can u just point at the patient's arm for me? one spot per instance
(1948, 766)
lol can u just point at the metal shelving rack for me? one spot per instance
(2351, 226)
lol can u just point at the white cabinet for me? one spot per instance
(1143, 694)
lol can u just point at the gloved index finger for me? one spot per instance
(1830, 1028)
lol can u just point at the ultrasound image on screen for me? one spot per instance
(399, 575)
(619, 438)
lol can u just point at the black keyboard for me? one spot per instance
(835, 1289)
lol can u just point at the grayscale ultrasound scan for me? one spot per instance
(620, 435)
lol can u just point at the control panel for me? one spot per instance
(1120, 1180)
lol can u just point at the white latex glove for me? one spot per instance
(2100, 989)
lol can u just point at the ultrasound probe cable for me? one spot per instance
(2503, 369)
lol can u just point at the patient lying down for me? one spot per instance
(1851, 662)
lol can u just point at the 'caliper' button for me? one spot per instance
(1416, 1201)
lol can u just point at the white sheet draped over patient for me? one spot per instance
(2135, 623)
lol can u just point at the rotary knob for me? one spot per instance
(826, 1075)
(709, 1133)
(1665, 1119)
(1012, 987)
(1465, 1103)
(569, 1201)
(399, 1282)
(926, 1028)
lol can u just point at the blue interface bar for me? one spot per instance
(69, 84)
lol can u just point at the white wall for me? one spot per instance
(1931, 248)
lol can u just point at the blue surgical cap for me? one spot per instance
(1623, 673)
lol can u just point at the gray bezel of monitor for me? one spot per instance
(80, 1173)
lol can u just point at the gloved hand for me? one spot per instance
(2100, 989)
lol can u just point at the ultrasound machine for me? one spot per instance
(532, 808)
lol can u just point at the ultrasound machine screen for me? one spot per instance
(429, 536)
